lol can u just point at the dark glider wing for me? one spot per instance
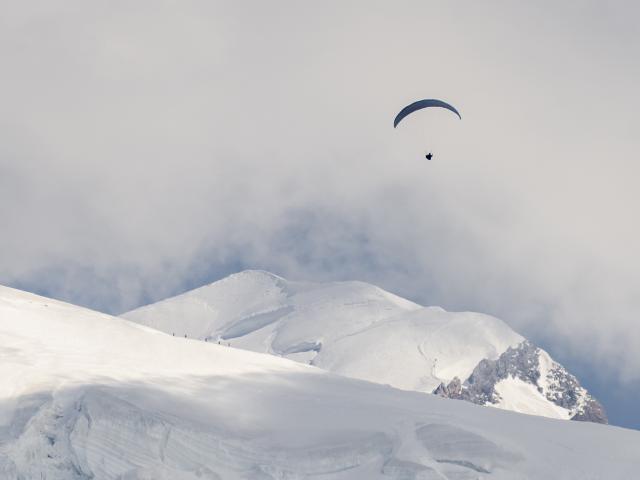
(419, 105)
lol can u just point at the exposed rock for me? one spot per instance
(592, 411)
(453, 390)
(524, 362)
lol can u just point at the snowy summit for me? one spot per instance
(361, 331)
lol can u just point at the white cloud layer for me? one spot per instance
(142, 144)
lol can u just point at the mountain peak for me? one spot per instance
(254, 274)
(500, 382)
(357, 330)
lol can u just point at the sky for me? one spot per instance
(151, 147)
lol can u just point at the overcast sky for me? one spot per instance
(149, 147)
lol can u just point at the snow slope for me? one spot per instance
(351, 328)
(357, 330)
(89, 396)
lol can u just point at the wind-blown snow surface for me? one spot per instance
(85, 395)
(353, 329)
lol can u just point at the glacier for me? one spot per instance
(90, 396)
(361, 331)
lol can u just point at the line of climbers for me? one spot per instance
(206, 339)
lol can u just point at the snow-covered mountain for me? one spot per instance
(88, 396)
(361, 331)
(525, 378)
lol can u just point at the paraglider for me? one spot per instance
(419, 105)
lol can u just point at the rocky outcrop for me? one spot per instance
(593, 411)
(531, 365)
(453, 390)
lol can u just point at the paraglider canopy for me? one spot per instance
(419, 105)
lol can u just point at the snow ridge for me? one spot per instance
(361, 331)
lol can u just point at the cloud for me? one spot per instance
(147, 147)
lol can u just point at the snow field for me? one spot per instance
(85, 395)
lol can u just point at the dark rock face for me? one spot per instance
(563, 390)
(453, 390)
(523, 362)
(592, 412)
